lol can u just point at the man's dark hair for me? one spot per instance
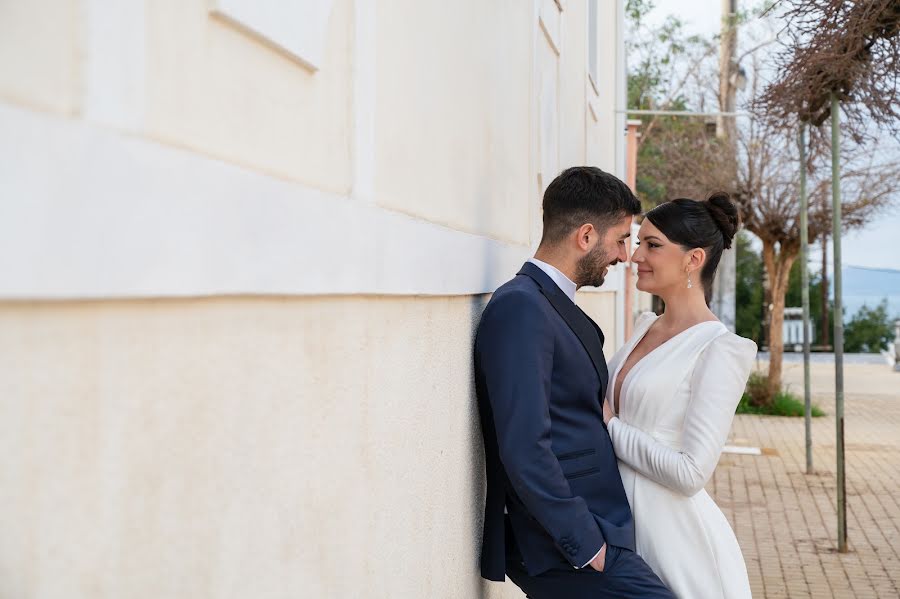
(585, 194)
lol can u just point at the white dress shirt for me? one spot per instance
(569, 288)
(561, 280)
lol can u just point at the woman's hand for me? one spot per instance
(607, 412)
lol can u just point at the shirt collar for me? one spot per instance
(561, 280)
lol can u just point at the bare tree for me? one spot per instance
(846, 54)
(761, 170)
(849, 48)
(689, 159)
(768, 177)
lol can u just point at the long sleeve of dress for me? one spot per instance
(717, 382)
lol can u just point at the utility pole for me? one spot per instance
(728, 72)
(724, 292)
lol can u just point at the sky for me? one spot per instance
(873, 247)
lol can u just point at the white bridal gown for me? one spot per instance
(676, 408)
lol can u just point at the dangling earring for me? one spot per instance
(690, 284)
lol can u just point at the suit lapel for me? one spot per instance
(584, 328)
(602, 371)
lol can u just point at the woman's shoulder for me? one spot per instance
(729, 343)
(727, 355)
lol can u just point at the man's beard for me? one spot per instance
(590, 270)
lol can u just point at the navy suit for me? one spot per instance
(540, 377)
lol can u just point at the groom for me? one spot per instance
(557, 520)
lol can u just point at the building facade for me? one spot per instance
(244, 245)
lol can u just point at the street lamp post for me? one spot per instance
(838, 320)
(804, 294)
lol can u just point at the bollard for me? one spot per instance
(897, 345)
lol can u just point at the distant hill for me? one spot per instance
(870, 286)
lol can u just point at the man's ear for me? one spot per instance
(583, 236)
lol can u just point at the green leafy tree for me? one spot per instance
(870, 330)
(751, 293)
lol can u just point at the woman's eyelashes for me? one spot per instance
(650, 243)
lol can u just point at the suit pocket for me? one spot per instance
(575, 454)
(576, 464)
(586, 472)
(613, 554)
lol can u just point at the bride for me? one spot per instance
(674, 390)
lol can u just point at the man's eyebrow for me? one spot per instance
(626, 235)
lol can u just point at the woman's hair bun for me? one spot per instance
(725, 214)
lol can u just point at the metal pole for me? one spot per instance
(804, 291)
(838, 322)
(724, 289)
(631, 152)
(686, 113)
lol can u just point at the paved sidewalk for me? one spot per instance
(786, 520)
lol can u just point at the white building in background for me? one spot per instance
(792, 329)
(244, 245)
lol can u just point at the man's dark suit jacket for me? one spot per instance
(540, 377)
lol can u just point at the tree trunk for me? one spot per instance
(767, 301)
(778, 268)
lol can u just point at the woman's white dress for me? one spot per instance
(676, 409)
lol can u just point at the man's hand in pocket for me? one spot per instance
(599, 562)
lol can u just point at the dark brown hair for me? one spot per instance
(710, 225)
(585, 194)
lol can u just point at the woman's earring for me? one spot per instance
(690, 284)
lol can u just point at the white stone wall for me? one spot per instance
(239, 447)
(242, 257)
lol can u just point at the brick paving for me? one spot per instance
(786, 520)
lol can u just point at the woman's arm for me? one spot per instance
(717, 384)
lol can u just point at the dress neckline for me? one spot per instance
(634, 343)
